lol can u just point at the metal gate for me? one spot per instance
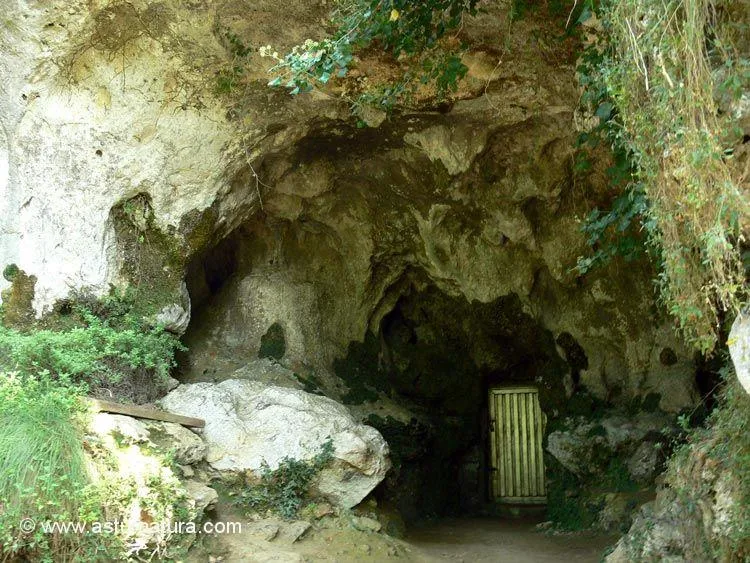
(516, 432)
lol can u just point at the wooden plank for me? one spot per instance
(524, 461)
(541, 483)
(507, 450)
(497, 401)
(533, 470)
(146, 412)
(516, 447)
(493, 447)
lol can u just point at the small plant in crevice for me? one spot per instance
(285, 489)
(231, 76)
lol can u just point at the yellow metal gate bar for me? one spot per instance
(517, 429)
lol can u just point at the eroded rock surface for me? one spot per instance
(140, 457)
(582, 446)
(279, 210)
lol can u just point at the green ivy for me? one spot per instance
(284, 490)
(400, 27)
(615, 232)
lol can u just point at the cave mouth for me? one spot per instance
(422, 374)
(206, 276)
(439, 356)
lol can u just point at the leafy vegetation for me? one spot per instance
(660, 80)
(284, 490)
(97, 341)
(53, 473)
(227, 79)
(45, 370)
(412, 32)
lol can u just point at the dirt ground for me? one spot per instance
(499, 541)
(476, 540)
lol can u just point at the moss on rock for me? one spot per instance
(17, 308)
(153, 262)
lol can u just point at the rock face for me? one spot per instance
(689, 525)
(133, 455)
(601, 471)
(701, 512)
(150, 128)
(249, 424)
(162, 177)
(739, 348)
(583, 446)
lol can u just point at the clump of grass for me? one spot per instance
(42, 464)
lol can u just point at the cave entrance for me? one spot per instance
(516, 454)
(425, 378)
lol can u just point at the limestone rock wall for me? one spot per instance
(318, 225)
(103, 101)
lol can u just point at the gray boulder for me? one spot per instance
(643, 464)
(585, 448)
(249, 424)
(739, 348)
(576, 447)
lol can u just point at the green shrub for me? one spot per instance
(415, 33)
(283, 490)
(42, 464)
(103, 344)
(10, 272)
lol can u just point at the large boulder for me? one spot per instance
(249, 424)
(576, 447)
(739, 348)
